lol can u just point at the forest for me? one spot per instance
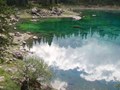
(79, 2)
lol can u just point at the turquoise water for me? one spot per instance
(83, 54)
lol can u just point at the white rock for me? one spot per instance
(24, 42)
(77, 17)
(10, 24)
(35, 37)
(15, 28)
(93, 15)
(1, 87)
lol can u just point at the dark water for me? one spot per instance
(84, 54)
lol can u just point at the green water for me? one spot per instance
(83, 54)
(104, 23)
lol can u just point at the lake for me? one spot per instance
(83, 54)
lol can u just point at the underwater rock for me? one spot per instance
(77, 17)
(76, 26)
(93, 15)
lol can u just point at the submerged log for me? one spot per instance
(76, 26)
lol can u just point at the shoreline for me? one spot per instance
(69, 11)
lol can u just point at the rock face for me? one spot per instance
(18, 55)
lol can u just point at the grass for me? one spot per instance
(8, 83)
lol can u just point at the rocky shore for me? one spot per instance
(36, 13)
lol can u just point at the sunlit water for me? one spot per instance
(84, 54)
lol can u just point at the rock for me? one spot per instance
(15, 28)
(28, 32)
(13, 18)
(93, 15)
(24, 42)
(35, 37)
(77, 17)
(34, 10)
(34, 17)
(18, 55)
(3, 36)
(10, 24)
(7, 59)
(10, 59)
(1, 87)
(2, 78)
(2, 48)
(14, 24)
(17, 34)
(11, 70)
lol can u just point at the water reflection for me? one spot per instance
(71, 80)
(96, 59)
(83, 58)
(111, 35)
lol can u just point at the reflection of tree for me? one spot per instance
(47, 37)
(29, 43)
(65, 28)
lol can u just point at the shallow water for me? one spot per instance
(84, 54)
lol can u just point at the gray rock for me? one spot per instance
(28, 32)
(2, 48)
(17, 34)
(34, 10)
(18, 55)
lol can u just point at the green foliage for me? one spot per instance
(92, 2)
(8, 83)
(31, 5)
(34, 70)
(4, 9)
(3, 36)
(17, 2)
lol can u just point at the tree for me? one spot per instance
(21, 2)
(17, 2)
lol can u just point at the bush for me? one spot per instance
(34, 71)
